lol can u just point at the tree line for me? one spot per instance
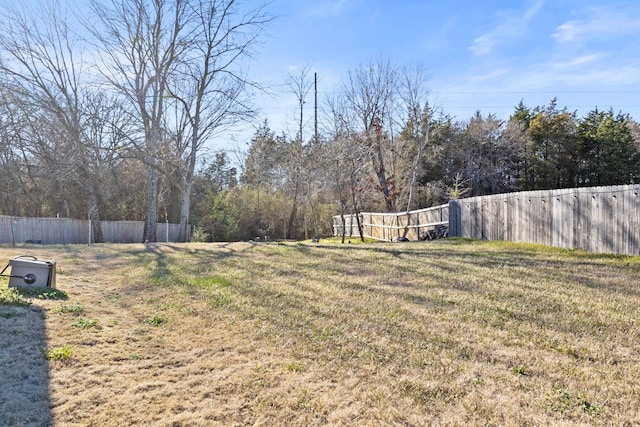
(104, 111)
(112, 123)
(288, 189)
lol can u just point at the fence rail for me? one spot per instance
(68, 231)
(595, 219)
(412, 225)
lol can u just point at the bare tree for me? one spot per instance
(141, 42)
(369, 92)
(185, 56)
(209, 83)
(344, 163)
(300, 85)
(416, 117)
(43, 67)
(18, 197)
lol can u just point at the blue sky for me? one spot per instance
(482, 55)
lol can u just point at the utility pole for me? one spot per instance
(315, 86)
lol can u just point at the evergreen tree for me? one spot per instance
(606, 149)
(551, 153)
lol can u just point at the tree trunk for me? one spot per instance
(293, 215)
(314, 216)
(86, 182)
(187, 186)
(151, 219)
(94, 214)
(356, 211)
(184, 212)
(414, 176)
(360, 230)
(378, 162)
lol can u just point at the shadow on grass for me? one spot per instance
(24, 369)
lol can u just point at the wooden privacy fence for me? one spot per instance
(595, 219)
(66, 231)
(389, 226)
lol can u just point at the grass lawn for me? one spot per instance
(452, 332)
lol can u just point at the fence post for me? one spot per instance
(90, 233)
(351, 225)
(455, 218)
(13, 232)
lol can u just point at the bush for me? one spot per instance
(199, 235)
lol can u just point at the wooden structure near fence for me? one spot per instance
(595, 219)
(68, 231)
(412, 225)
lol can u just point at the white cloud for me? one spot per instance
(533, 11)
(512, 25)
(568, 31)
(617, 75)
(600, 23)
(578, 62)
(584, 73)
(483, 44)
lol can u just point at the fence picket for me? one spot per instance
(595, 219)
(69, 231)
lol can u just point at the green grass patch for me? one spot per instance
(521, 371)
(212, 282)
(59, 353)
(155, 320)
(11, 296)
(562, 401)
(43, 293)
(71, 308)
(83, 323)
(352, 240)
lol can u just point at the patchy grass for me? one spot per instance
(42, 293)
(71, 308)
(85, 323)
(11, 296)
(453, 332)
(60, 353)
(154, 320)
(348, 240)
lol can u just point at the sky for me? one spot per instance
(482, 56)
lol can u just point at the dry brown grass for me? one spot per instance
(443, 333)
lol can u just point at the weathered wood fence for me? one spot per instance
(66, 231)
(412, 225)
(595, 219)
